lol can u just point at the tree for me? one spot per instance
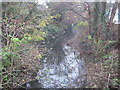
(119, 12)
(0, 47)
(113, 13)
(22, 23)
(103, 16)
(96, 15)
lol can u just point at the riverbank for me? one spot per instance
(29, 62)
(101, 71)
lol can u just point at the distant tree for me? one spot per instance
(113, 12)
(103, 15)
(0, 48)
(96, 15)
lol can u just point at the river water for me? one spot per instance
(62, 66)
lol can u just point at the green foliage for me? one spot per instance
(15, 40)
(107, 56)
(19, 14)
(51, 28)
(89, 37)
(81, 23)
(5, 77)
(39, 56)
(24, 41)
(59, 17)
(116, 81)
(38, 35)
(15, 43)
(111, 42)
(100, 42)
(21, 25)
(46, 21)
(6, 57)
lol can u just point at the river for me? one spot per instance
(62, 66)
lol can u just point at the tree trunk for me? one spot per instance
(96, 15)
(0, 46)
(103, 20)
(119, 41)
(113, 12)
(89, 14)
(0, 58)
(119, 13)
(103, 15)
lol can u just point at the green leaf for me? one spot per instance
(5, 77)
(29, 38)
(39, 56)
(111, 42)
(89, 37)
(15, 39)
(23, 41)
(41, 38)
(117, 81)
(106, 56)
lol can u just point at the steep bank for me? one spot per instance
(101, 71)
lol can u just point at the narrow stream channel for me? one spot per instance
(62, 66)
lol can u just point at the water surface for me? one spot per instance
(62, 67)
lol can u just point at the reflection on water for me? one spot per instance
(61, 67)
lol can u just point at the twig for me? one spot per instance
(108, 80)
(15, 84)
